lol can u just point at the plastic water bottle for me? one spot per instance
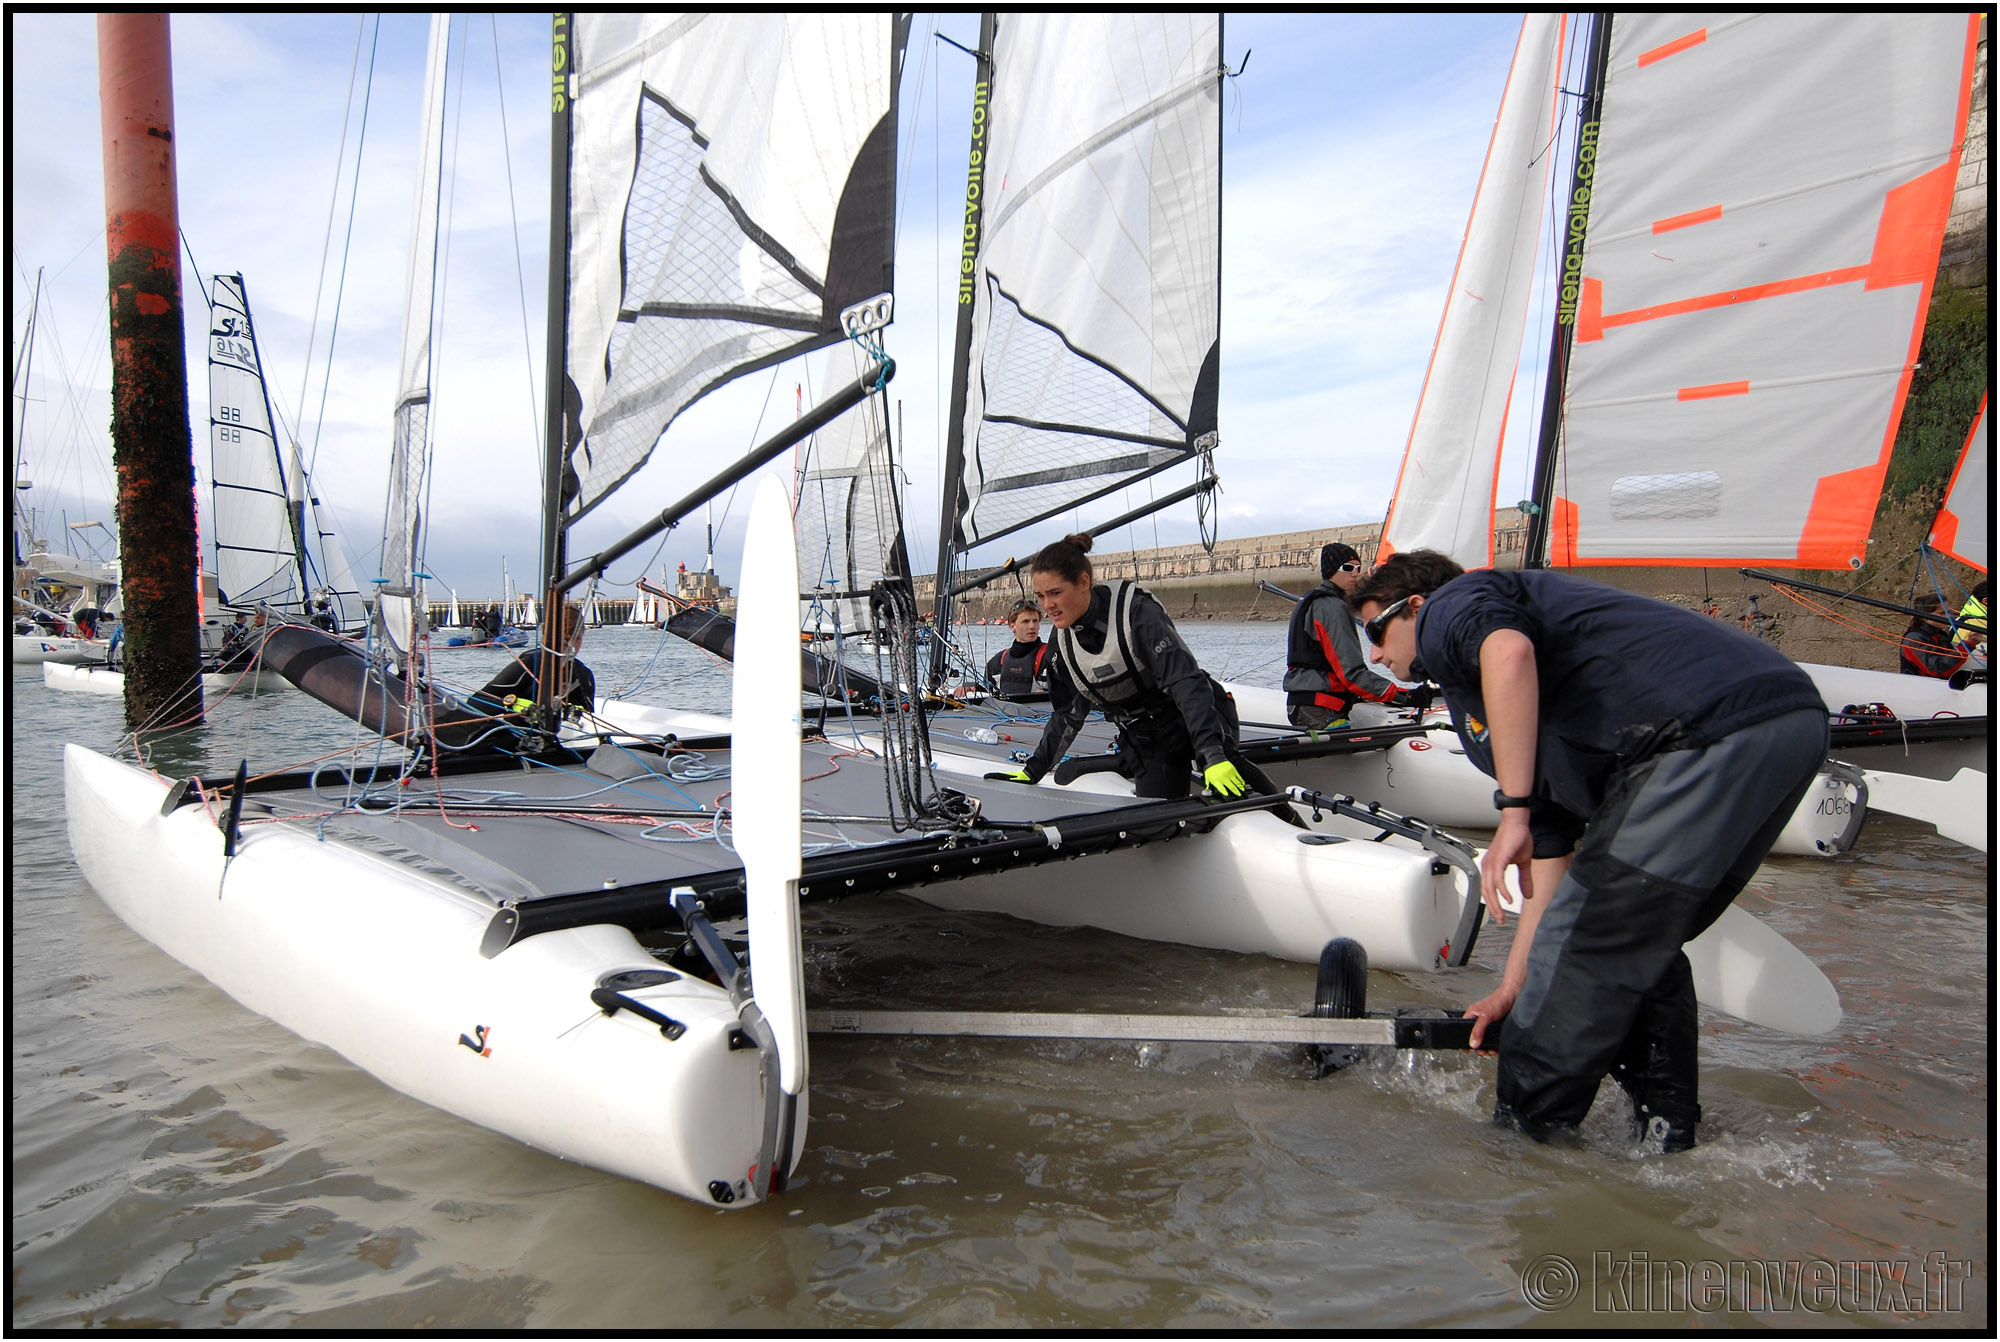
(986, 736)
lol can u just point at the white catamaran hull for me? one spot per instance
(103, 680)
(51, 650)
(380, 962)
(1741, 966)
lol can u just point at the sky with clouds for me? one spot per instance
(1352, 147)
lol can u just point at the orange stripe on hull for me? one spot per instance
(1688, 220)
(1673, 48)
(1714, 389)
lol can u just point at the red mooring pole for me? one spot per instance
(150, 445)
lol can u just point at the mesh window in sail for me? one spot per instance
(703, 298)
(1055, 419)
(1685, 496)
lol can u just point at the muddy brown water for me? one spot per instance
(180, 1161)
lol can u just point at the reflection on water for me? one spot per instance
(179, 1161)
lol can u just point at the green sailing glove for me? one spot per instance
(1224, 778)
(1011, 776)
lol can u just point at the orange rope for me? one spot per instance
(1836, 617)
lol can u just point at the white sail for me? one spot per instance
(400, 604)
(328, 572)
(846, 522)
(1766, 206)
(1094, 351)
(753, 204)
(1444, 494)
(1964, 525)
(257, 541)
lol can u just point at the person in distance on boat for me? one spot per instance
(514, 689)
(1928, 648)
(1021, 668)
(1326, 669)
(1115, 649)
(322, 616)
(1647, 759)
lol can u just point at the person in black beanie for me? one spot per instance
(1326, 669)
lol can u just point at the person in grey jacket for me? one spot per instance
(1326, 670)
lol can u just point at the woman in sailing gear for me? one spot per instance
(1021, 669)
(1673, 746)
(1928, 648)
(1326, 668)
(1115, 649)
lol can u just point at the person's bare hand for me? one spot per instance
(1513, 846)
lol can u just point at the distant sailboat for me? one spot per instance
(274, 542)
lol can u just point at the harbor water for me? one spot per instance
(179, 1161)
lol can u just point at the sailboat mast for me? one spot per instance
(950, 536)
(1535, 543)
(21, 423)
(555, 467)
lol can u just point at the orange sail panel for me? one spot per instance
(1444, 494)
(1765, 219)
(1964, 526)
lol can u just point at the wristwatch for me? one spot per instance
(1501, 801)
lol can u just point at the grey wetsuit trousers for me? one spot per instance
(1608, 990)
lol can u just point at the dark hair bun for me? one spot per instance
(1081, 541)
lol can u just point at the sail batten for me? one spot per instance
(1095, 291)
(1766, 211)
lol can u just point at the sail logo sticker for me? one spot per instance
(477, 1041)
(1579, 218)
(976, 172)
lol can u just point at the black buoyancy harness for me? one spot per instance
(1020, 671)
(1114, 678)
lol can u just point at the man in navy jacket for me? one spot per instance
(1647, 758)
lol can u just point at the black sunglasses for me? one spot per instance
(1379, 626)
